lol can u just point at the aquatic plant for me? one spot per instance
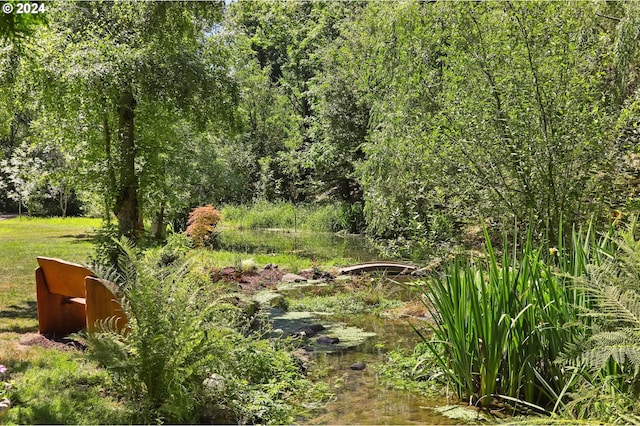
(501, 325)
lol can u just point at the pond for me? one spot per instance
(315, 245)
(361, 398)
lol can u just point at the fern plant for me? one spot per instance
(613, 350)
(188, 358)
(608, 360)
(160, 361)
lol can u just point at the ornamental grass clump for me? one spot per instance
(501, 326)
(202, 224)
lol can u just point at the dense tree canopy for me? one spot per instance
(427, 114)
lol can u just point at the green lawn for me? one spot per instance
(49, 386)
(21, 241)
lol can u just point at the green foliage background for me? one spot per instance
(426, 115)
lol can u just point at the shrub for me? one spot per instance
(177, 246)
(106, 247)
(201, 226)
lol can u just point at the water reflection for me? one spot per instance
(360, 397)
(316, 245)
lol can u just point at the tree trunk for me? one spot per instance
(64, 202)
(111, 174)
(127, 196)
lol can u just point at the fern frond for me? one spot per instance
(618, 306)
(621, 346)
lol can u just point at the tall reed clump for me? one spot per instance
(501, 325)
(333, 217)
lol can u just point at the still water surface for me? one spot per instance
(360, 397)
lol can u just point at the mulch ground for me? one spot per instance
(49, 342)
(265, 278)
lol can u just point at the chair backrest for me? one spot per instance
(64, 278)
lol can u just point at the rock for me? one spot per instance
(214, 382)
(271, 299)
(327, 340)
(293, 278)
(308, 330)
(303, 356)
(358, 365)
(343, 278)
(5, 405)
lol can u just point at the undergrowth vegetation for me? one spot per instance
(320, 218)
(355, 297)
(189, 356)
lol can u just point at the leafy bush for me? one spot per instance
(106, 246)
(201, 226)
(177, 246)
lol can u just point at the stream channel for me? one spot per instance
(360, 397)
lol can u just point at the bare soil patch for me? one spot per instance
(64, 344)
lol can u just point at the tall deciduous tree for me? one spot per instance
(117, 71)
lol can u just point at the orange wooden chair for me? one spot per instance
(71, 299)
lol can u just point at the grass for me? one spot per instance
(319, 218)
(21, 241)
(52, 386)
(49, 386)
(55, 387)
